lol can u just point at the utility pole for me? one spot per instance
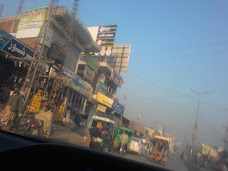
(75, 7)
(38, 54)
(20, 7)
(195, 126)
(125, 98)
(1, 9)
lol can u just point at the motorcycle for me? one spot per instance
(29, 126)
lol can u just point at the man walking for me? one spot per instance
(123, 140)
(14, 106)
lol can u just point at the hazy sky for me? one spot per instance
(176, 45)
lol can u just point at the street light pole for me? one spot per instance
(194, 132)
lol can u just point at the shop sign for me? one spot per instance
(104, 100)
(101, 87)
(79, 84)
(116, 78)
(101, 108)
(31, 22)
(118, 108)
(15, 48)
(89, 74)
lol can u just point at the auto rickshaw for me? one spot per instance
(160, 150)
(118, 132)
(101, 131)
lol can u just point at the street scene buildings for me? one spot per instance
(54, 58)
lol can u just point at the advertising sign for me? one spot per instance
(104, 100)
(31, 22)
(104, 36)
(118, 108)
(15, 48)
(119, 58)
(101, 108)
(79, 84)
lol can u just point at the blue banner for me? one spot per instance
(14, 47)
(118, 108)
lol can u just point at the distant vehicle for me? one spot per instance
(136, 145)
(103, 139)
(118, 132)
(160, 151)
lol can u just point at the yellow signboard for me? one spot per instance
(101, 108)
(104, 100)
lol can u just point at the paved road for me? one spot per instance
(64, 134)
(174, 163)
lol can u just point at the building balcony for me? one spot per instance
(106, 67)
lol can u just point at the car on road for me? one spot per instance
(137, 146)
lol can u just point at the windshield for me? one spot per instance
(78, 69)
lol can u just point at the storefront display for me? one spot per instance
(36, 102)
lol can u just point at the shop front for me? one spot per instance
(77, 98)
(13, 69)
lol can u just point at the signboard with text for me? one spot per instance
(118, 108)
(105, 100)
(31, 22)
(14, 47)
(101, 108)
(104, 36)
(79, 84)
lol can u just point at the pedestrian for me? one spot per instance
(123, 140)
(14, 106)
(46, 117)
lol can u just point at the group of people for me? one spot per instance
(15, 107)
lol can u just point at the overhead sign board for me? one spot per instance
(14, 47)
(31, 22)
(118, 108)
(104, 36)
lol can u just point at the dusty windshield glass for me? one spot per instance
(151, 69)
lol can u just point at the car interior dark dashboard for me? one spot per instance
(22, 152)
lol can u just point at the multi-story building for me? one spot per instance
(66, 39)
(105, 82)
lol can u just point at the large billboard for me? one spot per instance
(119, 58)
(31, 22)
(104, 36)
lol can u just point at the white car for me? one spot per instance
(136, 145)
